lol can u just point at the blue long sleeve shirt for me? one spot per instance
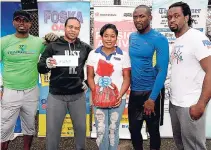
(145, 77)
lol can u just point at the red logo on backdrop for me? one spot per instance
(44, 103)
(97, 14)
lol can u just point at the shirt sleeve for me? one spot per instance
(90, 60)
(126, 61)
(162, 57)
(3, 43)
(202, 47)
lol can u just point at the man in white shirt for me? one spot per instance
(190, 79)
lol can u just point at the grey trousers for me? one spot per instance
(57, 106)
(188, 134)
(14, 103)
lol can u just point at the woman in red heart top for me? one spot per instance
(108, 73)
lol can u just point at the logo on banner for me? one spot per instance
(45, 78)
(128, 15)
(44, 103)
(57, 18)
(98, 14)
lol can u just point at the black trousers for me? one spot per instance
(136, 117)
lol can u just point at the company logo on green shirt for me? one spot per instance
(21, 50)
(22, 47)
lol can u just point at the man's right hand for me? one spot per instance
(51, 37)
(51, 63)
(149, 107)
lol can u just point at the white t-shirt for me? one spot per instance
(119, 61)
(187, 75)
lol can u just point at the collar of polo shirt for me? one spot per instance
(118, 50)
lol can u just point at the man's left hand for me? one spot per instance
(149, 107)
(197, 110)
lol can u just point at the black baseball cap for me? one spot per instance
(22, 14)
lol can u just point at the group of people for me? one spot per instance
(110, 73)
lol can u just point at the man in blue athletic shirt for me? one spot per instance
(146, 81)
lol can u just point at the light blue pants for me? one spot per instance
(107, 124)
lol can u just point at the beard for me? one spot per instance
(142, 29)
(69, 37)
(175, 29)
(22, 31)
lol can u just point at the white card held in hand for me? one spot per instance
(66, 61)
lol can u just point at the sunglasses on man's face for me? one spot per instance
(21, 19)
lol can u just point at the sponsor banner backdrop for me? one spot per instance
(52, 16)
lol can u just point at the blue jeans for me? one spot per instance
(107, 124)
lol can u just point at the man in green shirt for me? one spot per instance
(19, 92)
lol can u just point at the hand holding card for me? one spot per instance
(66, 61)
